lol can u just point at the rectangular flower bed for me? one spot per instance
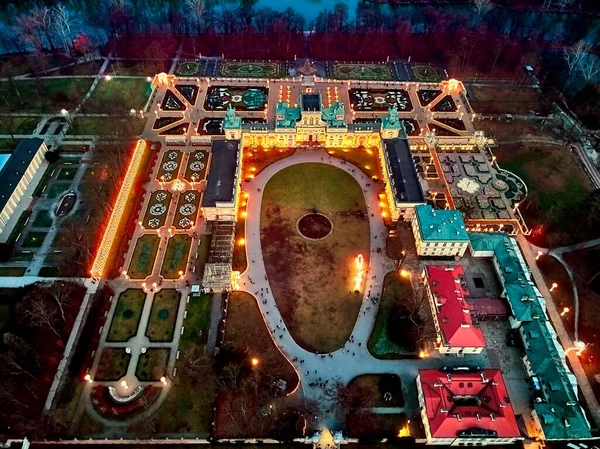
(349, 71)
(157, 209)
(170, 163)
(163, 315)
(142, 261)
(126, 318)
(187, 209)
(152, 365)
(197, 163)
(113, 364)
(176, 256)
(251, 98)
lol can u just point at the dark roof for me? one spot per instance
(220, 186)
(15, 167)
(404, 180)
(311, 102)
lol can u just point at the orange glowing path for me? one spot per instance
(99, 264)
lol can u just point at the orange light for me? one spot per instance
(360, 271)
(554, 285)
(253, 169)
(404, 273)
(244, 214)
(564, 311)
(115, 217)
(384, 214)
(254, 361)
(163, 379)
(381, 204)
(422, 354)
(246, 195)
(242, 242)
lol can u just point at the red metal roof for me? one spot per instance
(467, 402)
(454, 313)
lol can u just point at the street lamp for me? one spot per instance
(539, 254)
(553, 287)
(404, 273)
(565, 311)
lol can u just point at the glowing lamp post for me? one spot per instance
(404, 273)
(254, 362)
(539, 254)
(554, 285)
(88, 378)
(565, 311)
(124, 384)
(163, 380)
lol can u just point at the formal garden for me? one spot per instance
(264, 69)
(127, 315)
(187, 210)
(157, 209)
(319, 309)
(176, 256)
(144, 254)
(363, 72)
(197, 166)
(380, 99)
(170, 164)
(251, 98)
(163, 315)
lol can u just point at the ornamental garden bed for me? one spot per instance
(176, 256)
(126, 318)
(66, 173)
(161, 122)
(163, 315)
(253, 98)
(411, 126)
(197, 165)
(178, 130)
(446, 104)
(442, 130)
(171, 102)
(427, 96)
(142, 261)
(188, 68)
(157, 209)
(42, 219)
(211, 127)
(113, 364)
(152, 365)
(380, 99)
(426, 74)
(34, 239)
(169, 166)
(187, 209)
(455, 123)
(250, 69)
(349, 71)
(189, 92)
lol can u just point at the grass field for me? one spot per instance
(18, 125)
(67, 173)
(500, 99)
(377, 385)
(143, 257)
(380, 345)
(127, 315)
(42, 219)
(100, 126)
(118, 95)
(163, 315)
(313, 284)
(34, 239)
(113, 364)
(152, 365)
(50, 95)
(176, 256)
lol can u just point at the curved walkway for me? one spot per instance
(352, 359)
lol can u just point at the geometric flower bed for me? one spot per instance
(426, 96)
(161, 122)
(152, 365)
(411, 126)
(178, 130)
(126, 318)
(169, 166)
(158, 207)
(196, 166)
(211, 127)
(441, 131)
(188, 68)
(176, 256)
(376, 72)
(163, 315)
(188, 91)
(379, 100)
(250, 70)
(426, 74)
(446, 104)
(455, 123)
(243, 99)
(142, 261)
(171, 102)
(187, 209)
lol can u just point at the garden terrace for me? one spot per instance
(219, 98)
(197, 164)
(176, 256)
(169, 166)
(142, 260)
(156, 211)
(446, 104)
(126, 317)
(380, 99)
(189, 92)
(171, 102)
(187, 209)
(163, 315)
(263, 69)
(349, 71)
(301, 282)
(211, 127)
(162, 122)
(427, 96)
(178, 130)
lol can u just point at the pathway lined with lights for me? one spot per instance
(353, 359)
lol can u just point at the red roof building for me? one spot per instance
(456, 332)
(466, 407)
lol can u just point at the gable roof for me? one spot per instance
(440, 224)
(403, 177)
(16, 166)
(453, 311)
(464, 404)
(220, 186)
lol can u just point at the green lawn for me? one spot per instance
(380, 345)
(100, 126)
(143, 257)
(45, 95)
(19, 125)
(163, 315)
(42, 219)
(118, 96)
(12, 271)
(51, 272)
(113, 364)
(127, 315)
(197, 322)
(176, 256)
(349, 71)
(12, 238)
(55, 190)
(152, 365)
(34, 239)
(66, 173)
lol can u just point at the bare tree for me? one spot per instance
(589, 66)
(482, 7)
(197, 8)
(14, 365)
(573, 57)
(40, 312)
(26, 31)
(62, 19)
(44, 20)
(61, 293)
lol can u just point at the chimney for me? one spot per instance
(478, 415)
(448, 377)
(492, 417)
(483, 378)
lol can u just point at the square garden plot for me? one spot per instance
(219, 98)
(349, 71)
(176, 256)
(163, 315)
(197, 163)
(426, 74)
(152, 365)
(67, 173)
(42, 219)
(187, 209)
(380, 99)
(211, 127)
(157, 209)
(126, 318)
(169, 165)
(142, 261)
(113, 364)
(34, 239)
